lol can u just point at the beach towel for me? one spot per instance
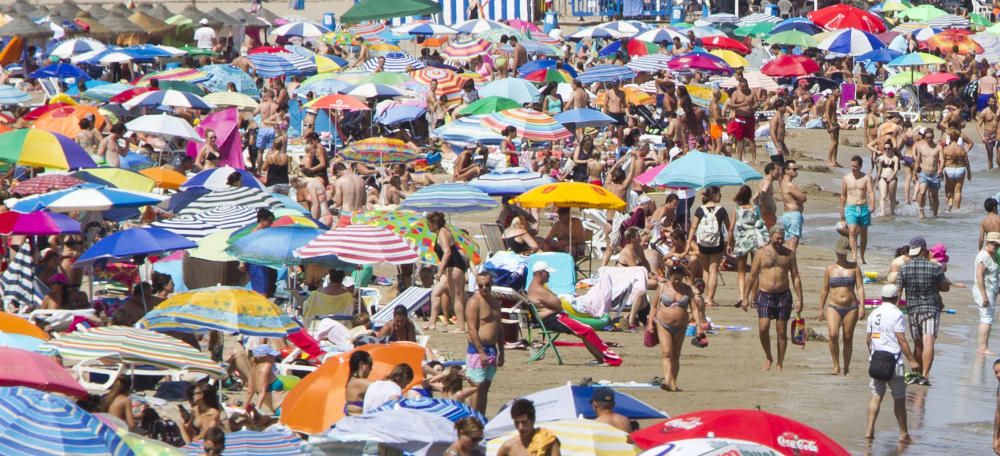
(611, 283)
(540, 442)
(225, 124)
(21, 289)
(319, 303)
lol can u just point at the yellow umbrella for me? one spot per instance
(384, 47)
(213, 247)
(326, 65)
(570, 194)
(733, 59)
(236, 99)
(121, 178)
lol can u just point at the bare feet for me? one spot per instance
(985, 352)
(905, 438)
(430, 327)
(780, 367)
(847, 372)
(457, 331)
(836, 371)
(767, 365)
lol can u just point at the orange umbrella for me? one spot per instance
(633, 95)
(434, 41)
(946, 41)
(338, 102)
(165, 177)
(448, 81)
(10, 323)
(66, 120)
(318, 401)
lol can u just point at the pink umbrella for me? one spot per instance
(646, 177)
(520, 25)
(360, 244)
(34, 370)
(937, 78)
(225, 124)
(38, 223)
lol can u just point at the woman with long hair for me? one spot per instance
(360, 366)
(205, 413)
(706, 235)
(117, 402)
(841, 302)
(885, 169)
(450, 279)
(746, 234)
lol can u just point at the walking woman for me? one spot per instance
(886, 168)
(450, 278)
(669, 317)
(841, 302)
(986, 289)
(706, 233)
(746, 234)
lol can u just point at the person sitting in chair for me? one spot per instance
(560, 236)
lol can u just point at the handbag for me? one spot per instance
(649, 338)
(882, 365)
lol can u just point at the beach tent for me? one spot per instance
(156, 28)
(225, 123)
(368, 10)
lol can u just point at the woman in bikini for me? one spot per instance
(360, 366)
(206, 412)
(669, 317)
(885, 171)
(840, 302)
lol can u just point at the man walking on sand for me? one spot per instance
(922, 281)
(765, 194)
(795, 204)
(830, 108)
(987, 122)
(773, 274)
(887, 333)
(484, 354)
(857, 197)
(927, 159)
(743, 104)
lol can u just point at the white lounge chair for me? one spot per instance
(412, 298)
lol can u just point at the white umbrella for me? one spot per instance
(302, 29)
(425, 28)
(755, 79)
(164, 125)
(102, 57)
(69, 48)
(711, 447)
(372, 90)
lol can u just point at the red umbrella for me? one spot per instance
(785, 435)
(338, 102)
(937, 78)
(790, 65)
(267, 50)
(887, 37)
(638, 47)
(34, 114)
(841, 16)
(946, 41)
(130, 93)
(724, 42)
(44, 183)
(34, 370)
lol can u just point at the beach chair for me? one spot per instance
(412, 298)
(548, 337)
(493, 235)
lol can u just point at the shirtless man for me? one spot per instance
(109, 148)
(465, 168)
(778, 132)
(349, 193)
(559, 236)
(743, 105)
(88, 138)
(550, 311)
(520, 56)
(619, 184)
(991, 222)
(857, 197)
(987, 89)
(579, 99)
(615, 107)
(927, 160)
(603, 401)
(266, 109)
(830, 107)
(765, 194)
(955, 157)
(987, 122)
(311, 193)
(485, 352)
(795, 204)
(774, 266)
(542, 441)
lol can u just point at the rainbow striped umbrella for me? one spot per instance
(466, 49)
(379, 151)
(245, 442)
(177, 74)
(35, 147)
(227, 309)
(530, 124)
(367, 30)
(361, 244)
(412, 226)
(448, 81)
(132, 346)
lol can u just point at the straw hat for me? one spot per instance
(993, 237)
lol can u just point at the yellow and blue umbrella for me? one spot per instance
(226, 309)
(35, 147)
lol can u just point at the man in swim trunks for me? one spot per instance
(743, 103)
(349, 193)
(266, 109)
(987, 122)
(778, 132)
(928, 157)
(830, 107)
(794, 204)
(956, 167)
(987, 89)
(773, 273)
(857, 197)
(485, 353)
(716, 122)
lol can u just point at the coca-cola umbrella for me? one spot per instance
(790, 65)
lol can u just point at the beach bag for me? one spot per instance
(708, 233)
(799, 332)
(649, 338)
(882, 366)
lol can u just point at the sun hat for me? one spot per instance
(890, 291)
(992, 236)
(939, 253)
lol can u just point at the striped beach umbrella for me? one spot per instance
(649, 63)
(247, 442)
(530, 124)
(661, 35)
(10, 95)
(757, 18)
(36, 147)
(755, 79)
(281, 63)
(105, 92)
(21, 287)
(597, 31)
(851, 42)
(191, 75)
(45, 183)
(231, 310)
(452, 197)
(39, 423)
(413, 227)
(300, 29)
(950, 21)
(68, 48)
(171, 98)
(86, 199)
(380, 151)
(231, 99)
(242, 196)
(134, 346)
(480, 26)
(361, 244)
(396, 62)
(468, 130)
(509, 181)
(579, 436)
(448, 82)
(102, 57)
(367, 30)
(424, 28)
(220, 75)
(198, 226)
(216, 179)
(606, 73)
(373, 90)
(462, 50)
(448, 409)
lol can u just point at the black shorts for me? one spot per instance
(618, 116)
(774, 306)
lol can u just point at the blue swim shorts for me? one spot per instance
(480, 370)
(265, 138)
(933, 181)
(857, 214)
(792, 220)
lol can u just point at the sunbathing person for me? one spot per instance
(360, 366)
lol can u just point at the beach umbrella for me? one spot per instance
(774, 431)
(164, 177)
(790, 65)
(606, 73)
(35, 147)
(102, 57)
(34, 114)
(544, 63)
(902, 78)
(462, 50)
(468, 130)
(25, 368)
(724, 42)
(20, 342)
(164, 125)
(134, 242)
(10, 95)
(545, 75)
(324, 86)
(403, 430)
(800, 24)
(248, 197)
(711, 446)
(105, 92)
(300, 29)
(921, 13)
(380, 151)
(946, 41)
(232, 310)
(338, 102)
(509, 181)
(516, 89)
(755, 80)
(851, 42)
(718, 19)
(152, 51)
(183, 86)
(247, 442)
(448, 409)
(449, 82)
(698, 170)
(570, 194)
(19, 25)
(413, 228)
(626, 28)
(701, 61)
(171, 98)
(215, 179)
(530, 124)
(843, 16)
(231, 99)
(68, 48)
(578, 437)
(395, 62)
(937, 78)
(39, 423)
(489, 105)
(44, 183)
(650, 63)
(373, 90)
(731, 58)
(134, 346)
(131, 93)
(360, 244)
(203, 224)
(424, 28)
(273, 246)
(14, 324)
(121, 178)
(949, 22)
(661, 35)
(86, 198)
(883, 55)
(916, 59)
(65, 120)
(924, 33)
(584, 117)
(281, 63)
(480, 26)
(450, 197)
(60, 71)
(597, 31)
(22, 288)
(792, 38)
(220, 75)
(367, 10)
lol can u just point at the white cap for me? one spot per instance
(203, 21)
(674, 152)
(542, 266)
(890, 291)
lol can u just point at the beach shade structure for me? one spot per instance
(606, 73)
(65, 120)
(60, 71)
(169, 98)
(281, 63)
(650, 63)
(273, 246)
(22, 288)
(130, 93)
(40, 423)
(724, 42)
(86, 198)
(242, 196)
(36, 147)
(450, 197)
(338, 102)
(662, 35)
(373, 90)
(412, 227)
(851, 42)
(380, 151)
(711, 446)
(916, 59)
(570, 194)
(773, 431)
(468, 130)
(544, 75)
(489, 105)
(401, 430)
(34, 114)
(516, 89)
(463, 50)
(104, 92)
(792, 38)
(324, 86)
(755, 80)
(44, 183)
(584, 117)
(509, 181)
(731, 58)
(921, 13)
(103, 57)
(247, 442)
(448, 81)
(757, 29)
(68, 48)
(843, 16)
(10, 95)
(448, 409)
(578, 436)
(232, 310)
(165, 178)
(134, 242)
(790, 65)
(38, 223)
(123, 179)
(937, 78)
(19, 25)
(25, 368)
(480, 26)
(215, 179)
(306, 30)
(530, 124)
(400, 114)
(198, 226)
(883, 55)
(544, 63)
(20, 342)
(371, 10)
(701, 61)
(568, 402)
(628, 28)
(395, 62)
(183, 86)
(360, 244)
(596, 31)
(424, 28)
(950, 22)
(718, 19)
(164, 125)
(698, 170)
(231, 99)
(903, 78)
(946, 41)
(220, 75)
(13, 324)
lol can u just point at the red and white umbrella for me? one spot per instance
(360, 244)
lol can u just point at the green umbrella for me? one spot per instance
(792, 38)
(758, 30)
(494, 35)
(388, 78)
(902, 78)
(183, 86)
(197, 51)
(922, 13)
(370, 10)
(489, 105)
(980, 20)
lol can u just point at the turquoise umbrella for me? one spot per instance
(698, 170)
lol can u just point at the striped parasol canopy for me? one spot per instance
(462, 50)
(380, 151)
(176, 74)
(68, 48)
(579, 436)
(361, 244)
(215, 179)
(649, 63)
(231, 310)
(755, 79)
(509, 181)
(367, 30)
(44, 183)
(396, 62)
(451, 197)
(247, 442)
(272, 65)
(480, 26)
(171, 98)
(606, 73)
(21, 286)
(412, 226)
(135, 346)
(271, 246)
(448, 82)
(220, 75)
(530, 124)
(448, 409)
(231, 99)
(40, 423)
(36, 147)
(242, 196)
(86, 198)
(202, 224)
(468, 130)
(300, 29)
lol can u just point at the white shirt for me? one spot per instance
(991, 278)
(205, 37)
(883, 324)
(379, 393)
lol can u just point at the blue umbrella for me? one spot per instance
(539, 64)
(851, 42)
(102, 91)
(324, 87)
(606, 73)
(611, 49)
(880, 55)
(246, 442)
(448, 409)
(135, 161)
(10, 95)
(274, 246)
(19, 341)
(282, 64)
(449, 197)
(86, 197)
(468, 130)
(216, 179)
(797, 23)
(60, 71)
(133, 242)
(222, 74)
(698, 170)
(584, 117)
(509, 181)
(39, 423)
(146, 52)
(399, 114)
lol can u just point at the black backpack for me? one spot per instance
(882, 366)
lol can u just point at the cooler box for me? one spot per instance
(677, 15)
(330, 20)
(551, 21)
(772, 9)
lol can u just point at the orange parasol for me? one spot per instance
(165, 177)
(66, 120)
(10, 323)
